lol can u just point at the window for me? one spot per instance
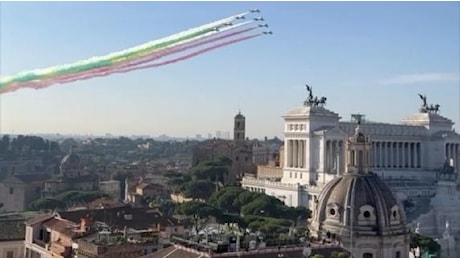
(9, 254)
(11, 190)
(368, 255)
(366, 214)
(332, 212)
(398, 254)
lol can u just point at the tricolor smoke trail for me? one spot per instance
(133, 63)
(132, 58)
(128, 69)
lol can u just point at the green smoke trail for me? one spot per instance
(104, 62)
(98, 62)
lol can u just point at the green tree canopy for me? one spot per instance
(425, 243)
(198, 189)
(214, 171)
(65, 198)
(46, 204)
(227, 199)
(265, 205)
(199, 212)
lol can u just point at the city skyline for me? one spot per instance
(370, 58)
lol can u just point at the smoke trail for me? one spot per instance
(188, 56)
(142, 60)
(204, 36)
(162, 54)
(128, 69)
(105, 60)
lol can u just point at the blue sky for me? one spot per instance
(371, 58)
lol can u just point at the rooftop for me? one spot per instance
(121, 217)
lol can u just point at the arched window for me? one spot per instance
(368, 255)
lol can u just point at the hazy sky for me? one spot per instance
(371, 58)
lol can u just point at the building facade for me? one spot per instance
(18, 191)
(314, 150)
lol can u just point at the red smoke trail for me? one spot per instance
(131, 63)
(188, 56)
(193, 54)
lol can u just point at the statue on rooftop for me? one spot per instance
(424, 106)
(428, 108)
(314, 101)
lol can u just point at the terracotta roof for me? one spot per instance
(60, 225)
(105, 203)
(38, 219)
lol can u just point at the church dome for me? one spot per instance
(71, 161)
(373, 207)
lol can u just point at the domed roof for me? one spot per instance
(71, 160)
(372, 202)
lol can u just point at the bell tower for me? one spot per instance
(239, 127)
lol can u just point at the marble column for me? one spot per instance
(296, 153)
(390, 154)
(302, 155)
(403, 152)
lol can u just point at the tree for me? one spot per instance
(227, 199)
(66, 198)
(176, 180)
(425, 243)
(46, 204)
(198, 189)
(266, 205)
(295, 214)
(164, 205)
(199, 212)
(316, 256)
(214, 171)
